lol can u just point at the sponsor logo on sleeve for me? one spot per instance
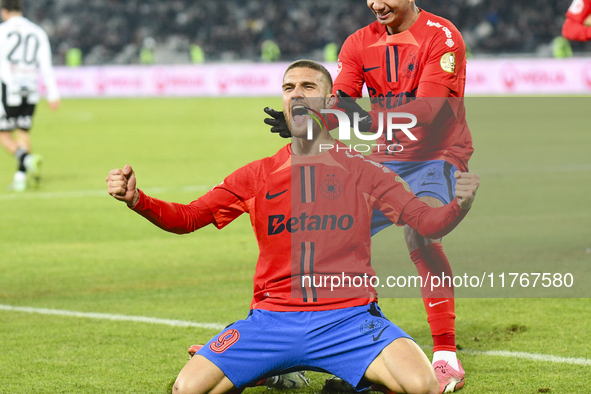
(448, 62)
(450, 43)
(406, 187)
(440, 26)
(576, 7)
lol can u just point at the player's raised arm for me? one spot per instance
(574, 31)
(219, 206)
(121, 184)
(437, 222)
(466, 186)
(577, 26)
(169, 216)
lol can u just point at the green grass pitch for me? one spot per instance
(69, 246)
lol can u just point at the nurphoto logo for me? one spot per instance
(345, 128)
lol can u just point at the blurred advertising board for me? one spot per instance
(484, 77)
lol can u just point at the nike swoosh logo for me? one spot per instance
(366, 70)
(430, 183)
(380, 334)
(437, 303)
(272, 196)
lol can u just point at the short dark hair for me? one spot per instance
(311, 64)
(12, 5)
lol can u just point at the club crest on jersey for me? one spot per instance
(432, 174)
(406, 187)
(448, 62)
(331, 188)
(371, 326)
(411, 66)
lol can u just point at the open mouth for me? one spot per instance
(299, 113)
(383, 15)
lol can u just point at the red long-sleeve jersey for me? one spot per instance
(311, 216)
(574, 28)
(396, 69)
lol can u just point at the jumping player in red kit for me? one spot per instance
(577, 26)
(414, 62)
(310, 207)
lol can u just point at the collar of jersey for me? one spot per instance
(325, 158)
(405, 37)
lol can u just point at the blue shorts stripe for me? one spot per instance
(448, 177)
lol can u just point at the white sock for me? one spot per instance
(450, 357)
(20, 176)
(27, 161)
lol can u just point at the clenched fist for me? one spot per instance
(466, 186)
(121, 184)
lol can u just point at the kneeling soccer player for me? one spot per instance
(310, 206)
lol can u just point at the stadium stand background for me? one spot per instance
(113, 31)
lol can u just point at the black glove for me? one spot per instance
(348, 104)
(277, 120)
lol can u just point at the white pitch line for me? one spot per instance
(94, 193)
(109, 316)
(218, 327)
(535, 170)
(531, 356)
(196, 188)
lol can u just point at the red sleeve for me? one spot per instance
(220, 206)
(350, 77)
(389, 192)
(446, 60)
(574, 31)
(579, 10)
(391, 196)
(432, 222)
(399, 204)
(173, 217)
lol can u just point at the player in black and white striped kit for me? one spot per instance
(24, 51)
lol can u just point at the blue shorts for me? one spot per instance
(433, 178)
(342, 342)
